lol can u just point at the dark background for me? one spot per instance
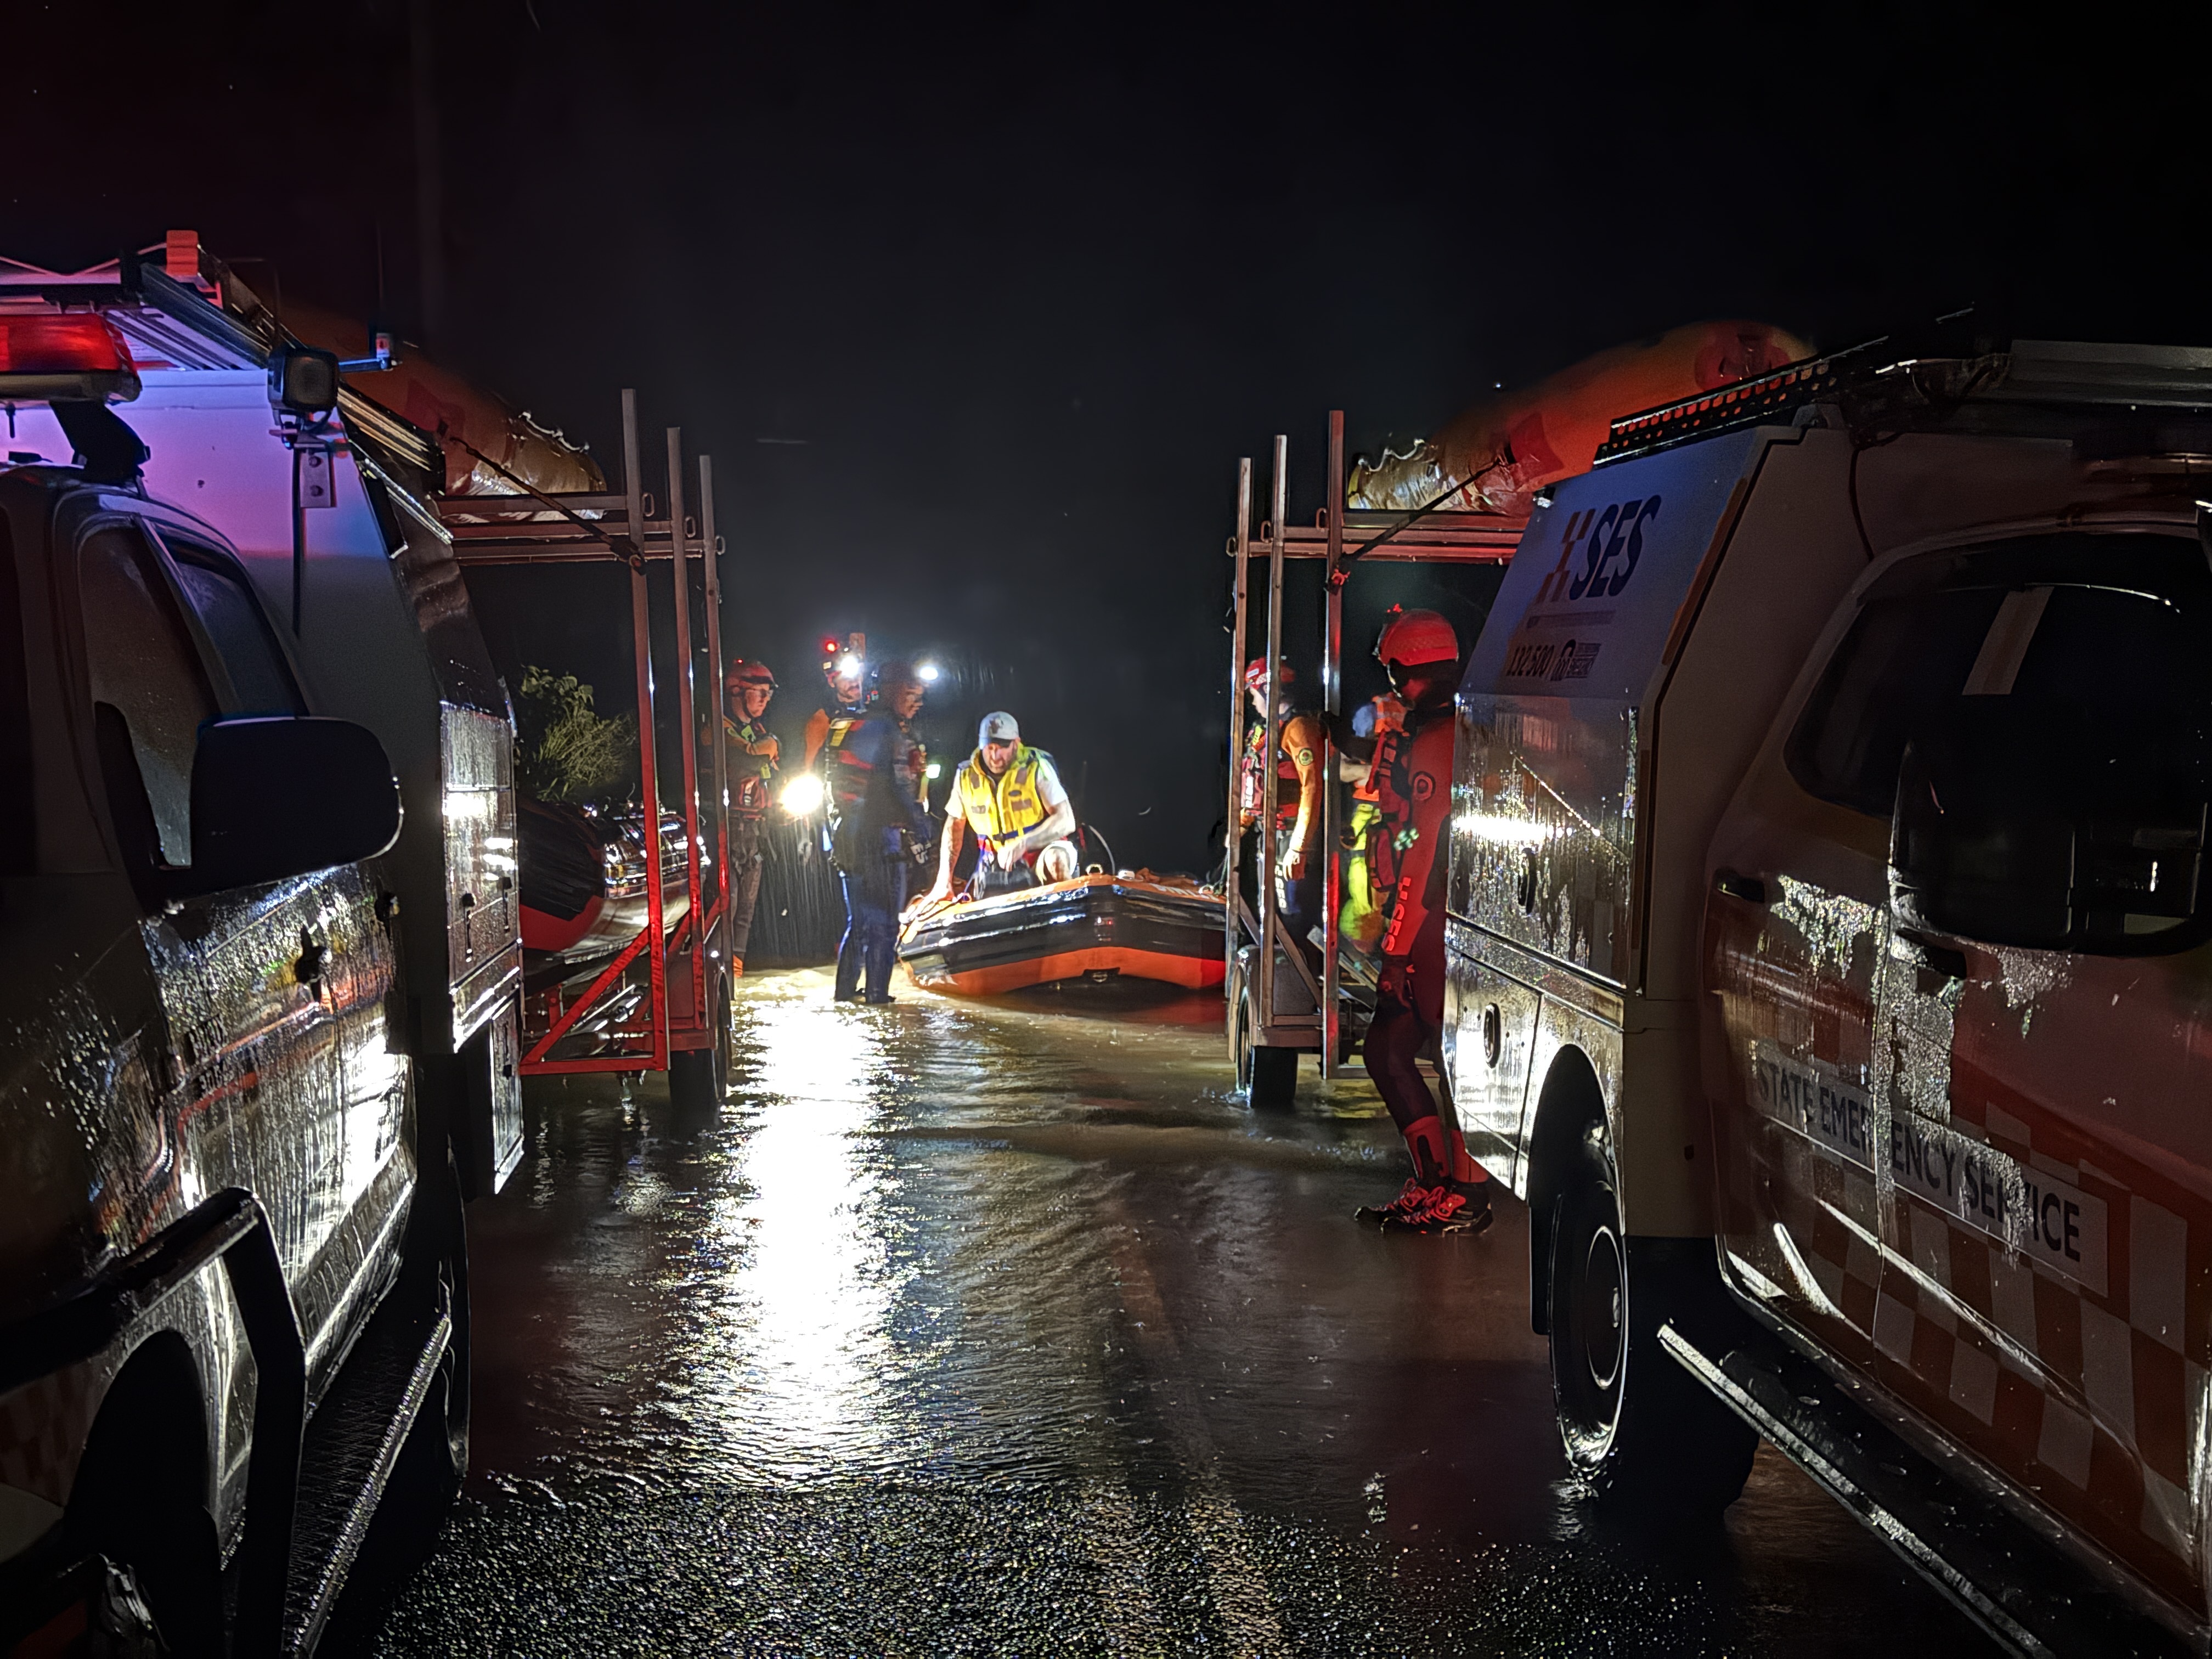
(976, 309)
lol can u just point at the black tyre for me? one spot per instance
(1268, 1077)
(138, 1501)
(435, 1458)
(1272, 1080)
(1636, 1427)
(699, 1078)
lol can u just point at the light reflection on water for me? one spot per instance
(794, 1366)
(1032, 1253)
(897, 1249)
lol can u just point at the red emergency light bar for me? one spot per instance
(74, 355)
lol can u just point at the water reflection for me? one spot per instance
(1010, 1313)
(793, 1364)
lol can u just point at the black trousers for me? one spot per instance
(1409, 1012)
(875, 893)
(745, 881)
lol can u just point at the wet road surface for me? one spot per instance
(1003, 1327)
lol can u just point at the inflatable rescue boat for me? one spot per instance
(1146, 926)
(583, 881)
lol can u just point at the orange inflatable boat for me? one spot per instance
(1138, 925)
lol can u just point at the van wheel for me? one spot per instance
(699, 1078)
(136, 1502)
(436, 1459)
(1636, 1427)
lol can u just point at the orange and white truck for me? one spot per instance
(1831, 967)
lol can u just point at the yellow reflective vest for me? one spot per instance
(998, 809)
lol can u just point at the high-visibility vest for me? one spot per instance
(999, 808)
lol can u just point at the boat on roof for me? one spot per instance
(1135, 924)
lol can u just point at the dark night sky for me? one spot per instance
(1015, 287)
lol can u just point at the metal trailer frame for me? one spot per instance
(536, 528)
(1450, 537)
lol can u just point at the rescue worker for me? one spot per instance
(1010, 796)
(1298, 860)
(842, 674)
(1410, 775)
(754, 753)
(882, 828)
(1359, 920)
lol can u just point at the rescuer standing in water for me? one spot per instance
(1010, 795)
(1411, 779)
(753, 754)
(881, 827)
(1297, 799)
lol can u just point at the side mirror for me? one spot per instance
(273, 798)
(2021, 824)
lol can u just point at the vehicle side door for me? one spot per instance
(2055, 1257)
(354, 964)
(1804, 1004)
(2034, 1143)
(254, 1033)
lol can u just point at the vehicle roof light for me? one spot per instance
(74, 356)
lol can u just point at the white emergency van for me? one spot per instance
(258, 950)
(1829, 966)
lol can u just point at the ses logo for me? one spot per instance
(1610, 540)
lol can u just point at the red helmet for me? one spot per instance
(1412, 638)
(745, 672)
(1256, 674)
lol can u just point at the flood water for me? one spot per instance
(1006, 1327)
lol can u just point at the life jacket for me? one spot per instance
(842, 724)
(1406, 854)
(1298, 779)
(1390, 718)
(1251, 791)
(754, 751)
(999, 808)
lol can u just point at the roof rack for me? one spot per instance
(1437, 533)
(1746, 402)
(631, 1027)
(2052, 375)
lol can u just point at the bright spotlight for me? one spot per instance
(934, 769)
(928, 672)
(848, 664)
(802, 796)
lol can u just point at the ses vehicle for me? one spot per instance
(258, 936)
(1831, 969)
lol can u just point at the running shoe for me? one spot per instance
(1449, 1208)
(1411, 1197)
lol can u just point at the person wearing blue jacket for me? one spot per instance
(882, 829)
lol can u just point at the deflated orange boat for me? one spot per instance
(1137, 924)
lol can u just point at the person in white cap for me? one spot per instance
(1009, 797)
